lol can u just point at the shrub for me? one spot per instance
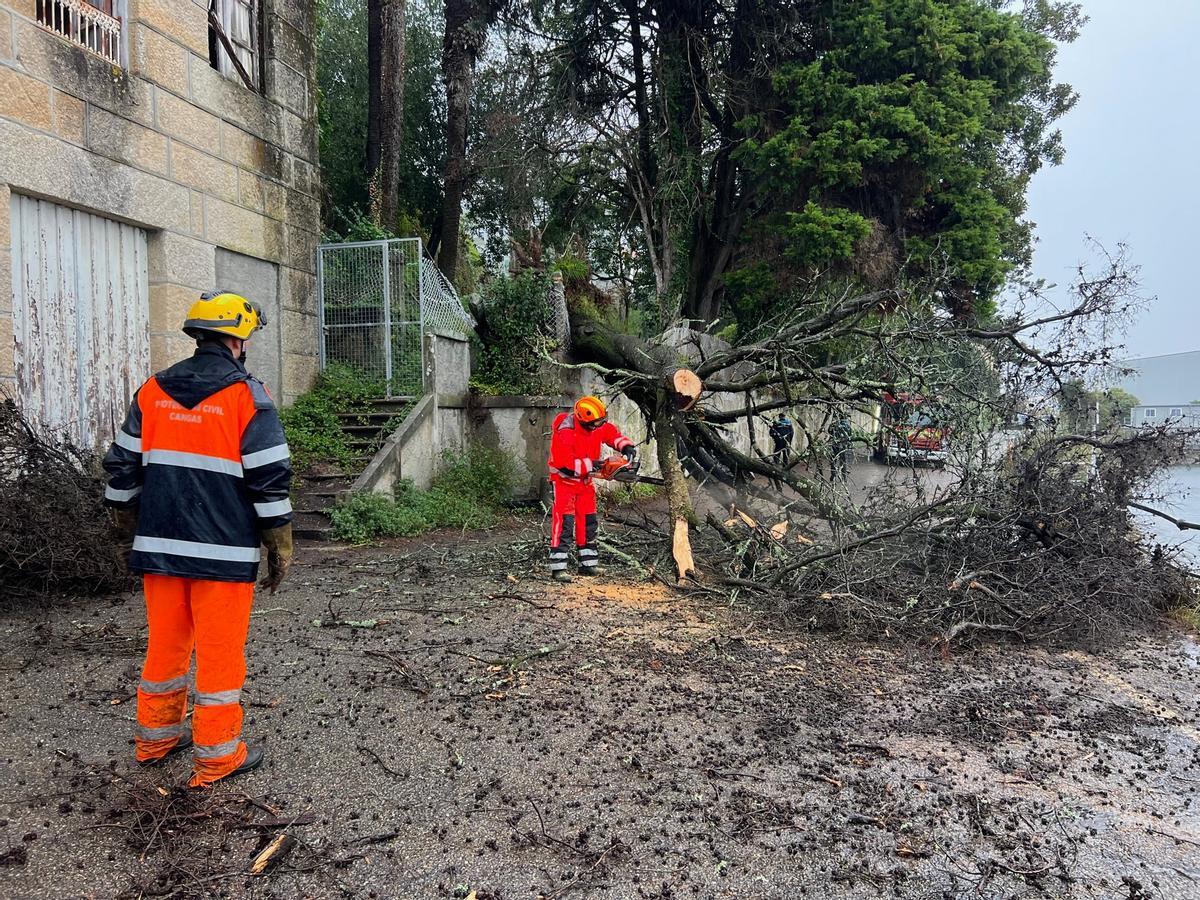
(514, 316)
(467, 494)
(480, 472)
(629, 494)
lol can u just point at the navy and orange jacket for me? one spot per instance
(203, 457)
(575, 451)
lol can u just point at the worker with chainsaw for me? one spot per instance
(199, 478)
(576, 442)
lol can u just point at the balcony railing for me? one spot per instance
(84, 24)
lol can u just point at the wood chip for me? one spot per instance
(273, 853)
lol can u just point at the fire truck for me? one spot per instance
(912, 428)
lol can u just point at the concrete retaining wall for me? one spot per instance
(449, 418)
(410, 452)
(438, 424)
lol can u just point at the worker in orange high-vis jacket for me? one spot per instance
(199, 479)
(575, 446)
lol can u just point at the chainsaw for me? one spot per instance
(618, 468)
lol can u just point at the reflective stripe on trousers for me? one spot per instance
(212, 617)
(216, 751)
(573, 512)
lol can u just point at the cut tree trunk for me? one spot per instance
(685, 387)
(679, 499)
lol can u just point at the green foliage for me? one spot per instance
(481, 473)
(1076, 403)
(468, 493)
(927, 118)
(514, 319)
(313, 428)
(729, 333)
(818, 235)
(624, 495)
(572, 266)
(354, 224)
(342, 100)
(342, 82)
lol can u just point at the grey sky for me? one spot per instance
(1133, 143)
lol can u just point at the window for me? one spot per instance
(233, 35)
(1176, 412)
(1150, 413)
(94, 25)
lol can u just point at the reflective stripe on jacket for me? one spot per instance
(207, 474)
(575, 449)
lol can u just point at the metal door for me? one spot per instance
(80, 318)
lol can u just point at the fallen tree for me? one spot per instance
(1026, 534)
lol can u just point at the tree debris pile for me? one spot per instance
(202, 843)
(55, 535)
(1036, 549)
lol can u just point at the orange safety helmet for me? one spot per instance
(590, 412)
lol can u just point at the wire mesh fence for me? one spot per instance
(377, 299)
(443, 311)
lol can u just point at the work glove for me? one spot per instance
(630, 453)
(278, 542)
(124, 520)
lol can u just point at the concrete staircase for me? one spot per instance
(319, 491)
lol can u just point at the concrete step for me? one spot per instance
(378, 418)
(312, 525)
(364, 430)
(392, 405)
(313, 533)
(329, 494)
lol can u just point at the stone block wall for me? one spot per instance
(167, 143)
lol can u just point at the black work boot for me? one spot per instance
(254, 758)
(592, 571)
(562, 576)
(184, 743)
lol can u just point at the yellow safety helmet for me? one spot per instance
(225, 314)
(590, 411)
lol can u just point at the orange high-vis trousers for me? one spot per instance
(214, 617)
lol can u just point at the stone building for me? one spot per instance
(151, 150)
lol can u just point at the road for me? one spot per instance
(1179, 490)
(443, 722)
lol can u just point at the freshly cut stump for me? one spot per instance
(681, 550)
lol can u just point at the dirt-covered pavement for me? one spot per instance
(441, 721)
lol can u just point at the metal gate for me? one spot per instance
(80, 308)
(377, 301)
